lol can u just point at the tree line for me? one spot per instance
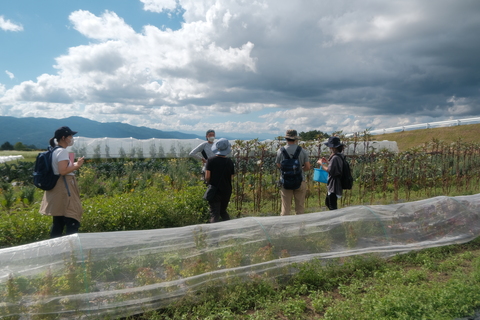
(19, 146)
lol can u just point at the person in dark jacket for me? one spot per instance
(219, 172)
(334, 167)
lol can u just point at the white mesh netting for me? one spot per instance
(125, 273)
(180, 148)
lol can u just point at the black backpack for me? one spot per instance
(43, 176)
(346, 179)
(291, 171)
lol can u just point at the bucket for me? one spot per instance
(320, 175)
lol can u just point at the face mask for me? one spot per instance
(70, 143)
(211, 139)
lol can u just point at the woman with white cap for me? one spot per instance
(219, 173)
(63, 201)
(334, 167)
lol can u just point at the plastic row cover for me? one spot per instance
(125, 273)
(180, 148)
(9, 158)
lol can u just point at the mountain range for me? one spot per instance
(38, 131)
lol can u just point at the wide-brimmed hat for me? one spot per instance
(222, 147)
(64, 132)
(333, 142)
(291, 134)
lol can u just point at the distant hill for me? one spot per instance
(37, 131)
(417, 138)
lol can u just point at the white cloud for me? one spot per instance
(150, 69)
(159, 5)
(9, 74)
(267, 65)
(108, 26)
(7, 25)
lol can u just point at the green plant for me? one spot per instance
(28, 195)
(320, 301)
(293, 308)
(8, 195)
(146, 276)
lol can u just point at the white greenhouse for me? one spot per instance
(180, 148)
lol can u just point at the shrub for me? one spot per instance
(149, 209)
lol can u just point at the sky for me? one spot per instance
(248, 69)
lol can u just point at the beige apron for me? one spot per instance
(57, 202)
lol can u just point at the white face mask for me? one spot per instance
(70, 143)
(211, 139)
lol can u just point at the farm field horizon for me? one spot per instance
(141, 194)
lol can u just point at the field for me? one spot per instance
(416, 138)
(115, 194)
(27, 155)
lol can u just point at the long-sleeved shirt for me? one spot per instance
(204, 146)
(335, 168)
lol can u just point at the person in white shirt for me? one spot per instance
(63, 201)
(204, 150)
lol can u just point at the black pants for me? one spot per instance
(331, 201)
(61, 222)
(218, 208)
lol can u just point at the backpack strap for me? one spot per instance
(338, 155)
(297, 152)
(285, 153)
(341, 158)
(204, 154)
(64, 178)
(66, 185)
(295, 155)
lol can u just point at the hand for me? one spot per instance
(322, 161)
(79, 162)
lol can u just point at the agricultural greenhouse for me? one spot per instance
(179, 148)
(116, 274)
